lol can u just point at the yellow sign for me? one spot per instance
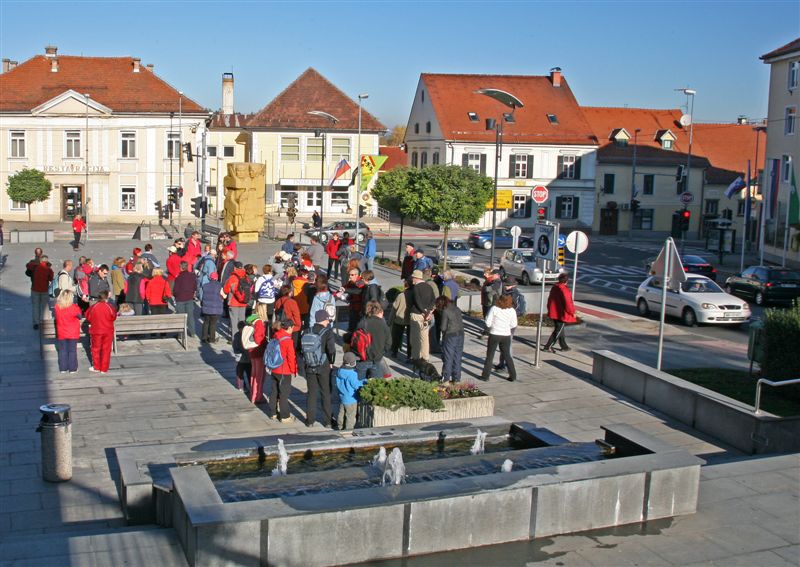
(505, 199)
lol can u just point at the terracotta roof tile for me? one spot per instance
(729, 146)
(651, 122)
(234, 121)
(109, 80)
(453, 97)
(397, 157)
(312, 91)
(793, 45)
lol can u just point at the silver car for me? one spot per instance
(523, 265)
(339, 227)
(459, 254)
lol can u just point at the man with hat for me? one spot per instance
(318, 363)
(421, 315)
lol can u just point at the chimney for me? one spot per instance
(50, 51)
(136, 64)
(6, 65)
(742, 119)
(555, 76)
(227, 93)
(150, 67)
(54, 65)
(13, 65)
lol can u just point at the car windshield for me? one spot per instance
(784, 275)
(695, 285)
(527, 256)
(458, 245)
(693, 260)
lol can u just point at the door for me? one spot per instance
(608, 221)
(72, 201)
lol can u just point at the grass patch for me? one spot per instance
(739, 385)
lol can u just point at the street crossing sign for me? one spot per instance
(545, 241)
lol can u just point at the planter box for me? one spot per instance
(462, 408)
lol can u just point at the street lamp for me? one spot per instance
(513, 103)
(179, 192)
(361, 97)
(86, 167)
(634, 192)
(321, 133)
(690, 108)
(761, 218)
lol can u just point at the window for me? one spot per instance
(568, 167)
(520, 162)
(786, 168)
(473, 116)
(290, 149)
(794, 74)
(552, 118)
(314, 198)
(428, 127)
(423, 160)
(608, 183)
(211, 151)
(649, 184)
(643, 219)
(416, 128)
(211, 191)
(17, 205)
(18, 143)
(474, 161)
(712, 207)
(340, 149)
(285, 195)
(520, 207)
(422, 95)
(740, 206)
(128, 149)
(73, 149)
(173, 145)
(127, 198)
(314, 149)
(622, 142)
(789, 120)
(414, 159)
(435, 160)
(227, 151)
(666, 144)
(567, 207)
(340, 200)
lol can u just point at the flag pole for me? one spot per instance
(786, 229)
(746, 219)
(762, 210)
(664, 279)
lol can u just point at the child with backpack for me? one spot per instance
(348, 384)
(281, 360)
(319, 352)
(242, 359)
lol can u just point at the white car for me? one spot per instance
(522, 264)
(699, 300)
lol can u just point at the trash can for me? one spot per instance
(755, 342)
(56, 429)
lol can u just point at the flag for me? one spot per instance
(676, 273)
(774, 185)
(341, 168)
(736, 185)
(369, 167)
(354, 177)
(794, 202)
(747, 202)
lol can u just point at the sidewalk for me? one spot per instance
(157, 393)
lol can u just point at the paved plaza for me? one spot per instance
(158, 393)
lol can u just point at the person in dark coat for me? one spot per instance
(134, 294)
(561, 310)
(452, 326)
(408, 262)
(184, 290)
(211, 308)
(318, 378)
(98, 282)
(374, 366)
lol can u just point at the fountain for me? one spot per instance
(380, 458)
(480, 441)
(507, 465)
(283, 460)
(395, 471)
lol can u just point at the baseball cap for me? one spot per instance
(349, 360)
(321, 316)
(417, 275)
(172, 249)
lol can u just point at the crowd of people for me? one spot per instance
(281, 317)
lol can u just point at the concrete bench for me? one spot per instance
(132, 325)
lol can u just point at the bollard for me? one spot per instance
(56, 429)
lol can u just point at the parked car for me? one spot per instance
(764, 284)
(483, 238)
(691, 265)
(699, 300)
(459, 254)
(340, 226)
(523, 265)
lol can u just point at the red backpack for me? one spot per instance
(360, 343)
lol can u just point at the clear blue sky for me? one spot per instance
(612, 53)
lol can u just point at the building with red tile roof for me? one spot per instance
(396, 157)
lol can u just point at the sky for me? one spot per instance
(612, 53)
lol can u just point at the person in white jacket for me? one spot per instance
(501, 320)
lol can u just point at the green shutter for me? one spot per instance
(483, 164)
(575, 204)
(511, 163)
(464, 160)
(578, 167)
(530, 169)
(560, 168)
(557, 213)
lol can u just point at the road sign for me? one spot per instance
(686, 197)
(515, 232)
(505, 200)
(562, 240)
(540, 194)
(577, 242)
(545, 241)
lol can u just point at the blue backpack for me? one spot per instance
(273, 358)
(267, 289)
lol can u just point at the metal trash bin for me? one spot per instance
(755, 342)
(56, 429)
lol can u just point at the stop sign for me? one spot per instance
(540, 194)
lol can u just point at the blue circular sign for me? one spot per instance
(562, 240)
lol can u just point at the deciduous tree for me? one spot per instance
(29, 186)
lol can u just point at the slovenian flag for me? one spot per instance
(736, 185)
(341, 168)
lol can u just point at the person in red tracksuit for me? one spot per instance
(282, 376)
(78, 226)
(257, 370)
(101, 317)
(194, 249)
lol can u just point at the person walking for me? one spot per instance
(374, 365)
(421, 315)
(370, 250)
(332, 249)
(41, 274)
(68, 331)
(520, 306)
(78, 226)
(316, 220)
(500, 323)
(136, 286)
(319, 354)
(452, 326)
(211, 308)
(236, 296)
(157, 293)
(561, 309)
(184, 290)
(101, 317)
(282, 375)
(260, 323)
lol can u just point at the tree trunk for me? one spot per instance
(444, 245)
(400, 242)
(29, 212)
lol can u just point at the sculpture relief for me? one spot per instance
(244, 200)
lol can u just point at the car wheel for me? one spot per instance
(728, 289)
(361, 237)
(526, 280)
(487, 245)
(689, 317)
(643, 308)
(759, 298)
(323, 238)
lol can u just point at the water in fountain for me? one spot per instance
(283, 460)
(480, 440)
(394, 471)
(380, 458)
(507, 465)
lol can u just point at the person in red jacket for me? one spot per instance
(237, 301)
(332, 249)
(78, 226)
(257, 370)
(282, 376)
(41, 274)
(228, 243)
(173, 264)
(561, 310)
(194, 249)
(137, 252)
(68, 331)
(157, 292)
(286, 308)
(101, 317)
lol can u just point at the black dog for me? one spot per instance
(427, 371)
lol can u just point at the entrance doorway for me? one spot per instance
(608, 221)
(72, 201)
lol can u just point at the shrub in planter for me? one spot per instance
(404, 392)
(782, 335)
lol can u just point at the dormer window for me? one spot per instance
(473, 116)
(552, 118)
(620, 137)
(416, 127)
(666, 144)
(666, 138)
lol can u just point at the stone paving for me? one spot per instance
(156, 393)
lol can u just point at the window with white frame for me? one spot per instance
(290, 148)
(519, 206)
(712, 207)
(568, 168)
(285, 195)
(228, 151)
(340, 200)
(17, 205)
(566, 207)
(314, 149)
(127, 198)
(794, 74)
(790, 118)
(643, 219)
(435, 158)
(340, 149)
(314, 198)
(73, 144)
(520, 165)
(740, 206)
(786, 168)
(18, 143)
(127, 145)
(666, 144)
(173, 145)
(211, 151)
(649, 184)
(474, 161)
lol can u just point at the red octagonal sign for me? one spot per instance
(540, 194)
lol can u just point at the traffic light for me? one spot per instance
(172, 197)
(187, 148)
(159, 210)
(686, 217)
(634, 204)
(199, 207)
(541, 213)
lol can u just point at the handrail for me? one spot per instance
(770, 383)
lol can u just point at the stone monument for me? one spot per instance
(244, 200)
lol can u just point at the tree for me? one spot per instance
(394, 137)
(29, 186)
(396, 191)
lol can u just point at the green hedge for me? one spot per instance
(403, 392)
(781, 344)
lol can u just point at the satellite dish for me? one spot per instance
(685, 120)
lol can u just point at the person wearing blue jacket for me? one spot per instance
(211, 307)
(204, 267)
(348, 384)
(370, 250)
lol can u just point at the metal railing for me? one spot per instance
(383, 214)
(770, 383)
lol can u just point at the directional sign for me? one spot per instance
(545, 241)
(505, 198)
(540, 194)
(686, 197)
(577, 242)
(562, 240)
(515, 232)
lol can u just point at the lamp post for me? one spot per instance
(513, 103)
(690, 107)
(86, 167)
(321, 133)
(179, 192)
(361, 97)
